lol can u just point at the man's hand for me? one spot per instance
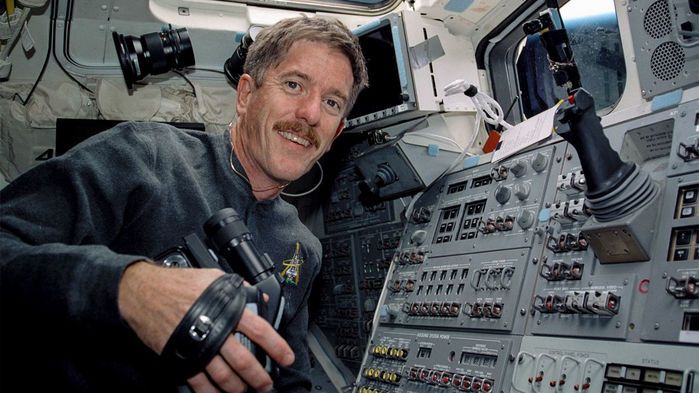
(154, 299)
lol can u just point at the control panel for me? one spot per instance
(359, 241)
(343, 210)
(497, 286)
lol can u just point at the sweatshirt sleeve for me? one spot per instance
(56, 224)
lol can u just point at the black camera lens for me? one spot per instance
(233, 240)
(153, 53)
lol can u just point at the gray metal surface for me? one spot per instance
(664, 62)
(584, 324)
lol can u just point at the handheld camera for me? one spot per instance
(230, 246)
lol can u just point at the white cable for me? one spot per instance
(485, 105)
(312, 189)
(454, 164)
(429, 135)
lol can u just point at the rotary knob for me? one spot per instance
(519, 169)
(418, 237)
(522, 191)
(525, 219)
(539, 162)
(502, 194)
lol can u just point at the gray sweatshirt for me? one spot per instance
(69, 228)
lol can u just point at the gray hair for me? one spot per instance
(272, 45)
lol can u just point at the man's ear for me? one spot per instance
(338, 131)
(340, 127)
(246, 85)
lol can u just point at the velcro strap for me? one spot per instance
(204, 328)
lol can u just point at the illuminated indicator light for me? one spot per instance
(633, 373)
(652, 376)
(674, 379)
(614, 372)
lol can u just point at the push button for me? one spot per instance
(683, 237)
(687, 212)
(680, 255)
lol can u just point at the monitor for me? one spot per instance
(409, 60)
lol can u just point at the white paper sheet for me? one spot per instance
(525, 134)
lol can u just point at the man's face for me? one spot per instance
(291, 120)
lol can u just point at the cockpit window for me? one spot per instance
(593, 32)
(365, 7)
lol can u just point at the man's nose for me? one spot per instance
(309, 109)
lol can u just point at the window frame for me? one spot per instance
(498, 52)
(332, 6)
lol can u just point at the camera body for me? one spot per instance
(229, 246)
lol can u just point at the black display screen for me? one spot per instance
(384, 89)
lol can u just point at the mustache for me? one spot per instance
(299, 128)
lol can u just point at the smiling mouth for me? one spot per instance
(297, 132)
(295, 138)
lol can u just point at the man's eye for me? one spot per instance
(292, 85)
(335, 105)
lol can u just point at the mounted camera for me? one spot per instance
(229, 246)
(233, 67)
(160, 52)
(153, 53)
